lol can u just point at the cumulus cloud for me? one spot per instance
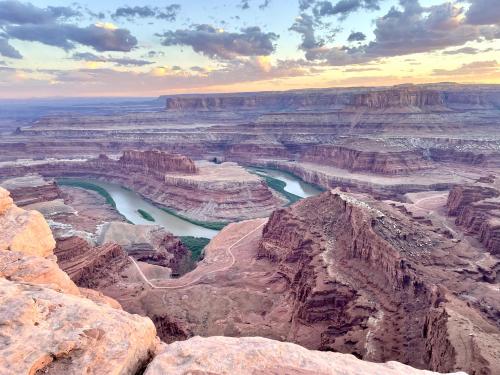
(244, 4)
(464, 50)
(305, 26)
(305, 4)
(13, 11)
(121, 61)
(217, 43)
(168, 13)
(51, 26)
(99, 37)
(484, 12)
(412, 29)
(264, 4)
(343, 7)
(356, 36)
(8, 51)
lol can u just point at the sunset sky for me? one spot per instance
(140, 48)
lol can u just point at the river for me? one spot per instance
(128, 202)
(294, 184)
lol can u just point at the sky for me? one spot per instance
(51, 48)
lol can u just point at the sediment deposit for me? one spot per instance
(437, 134)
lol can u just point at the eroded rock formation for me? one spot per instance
(48, 325)
(211, 192)
(477, 209)
(380, 295)
(256, 355)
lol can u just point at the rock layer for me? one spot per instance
(48, 326)
(212, 192)
(25, 231)
(477, 209)
(255, 355)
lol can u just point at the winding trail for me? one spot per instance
(198, 278)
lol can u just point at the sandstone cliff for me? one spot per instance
(477, 209)
(375, 285)
(211, 192)
(255, 355)
(157, 162)
(49, 326)
(46, 324)
(418, 97)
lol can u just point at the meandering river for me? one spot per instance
(294, 184)
(128, 202)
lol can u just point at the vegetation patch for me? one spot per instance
(196, 245)
(215, 225)
(87, 186)
(264, 169)
(146, 215)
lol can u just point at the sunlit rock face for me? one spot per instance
(256, 355)
(46, 323)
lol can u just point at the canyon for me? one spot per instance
(209, 192)
(63, 329)
(395, 256)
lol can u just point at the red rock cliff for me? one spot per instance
(364, 282)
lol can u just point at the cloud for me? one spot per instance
(465, 50)
(121, 61)
(484, 12)
(474, 68)
(305, 4)
(304, 25)
(217, 43)
(168, 13)
(152, 54)
(343, 7)
(158, 80)
(356, 37)
(244, 4)
(100, 37)
(15, 12)
(264, 4)
(412, 29)
(8, 51)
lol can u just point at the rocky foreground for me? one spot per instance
(49, 325)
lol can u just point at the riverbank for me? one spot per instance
(128, 203)
(214, 225)
(292, 187)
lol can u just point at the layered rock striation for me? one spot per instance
(477, 209)
(211, 192)
(361, 282)
(48, 325)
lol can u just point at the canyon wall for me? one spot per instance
(477, 209)
(48, 325)
(369, 98)
(212, 192)
(367, 283)
(402, 162)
